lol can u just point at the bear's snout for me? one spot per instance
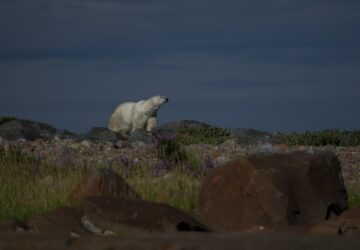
(166, 99)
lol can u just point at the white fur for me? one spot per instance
(130, 116)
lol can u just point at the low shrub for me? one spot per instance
(322, 138)
(168, 147)
(209, 135)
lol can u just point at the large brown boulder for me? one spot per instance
(102, 182)
(61, 220)
(348, 223)
(273, 191)
(118, 216)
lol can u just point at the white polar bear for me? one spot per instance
(130, 116)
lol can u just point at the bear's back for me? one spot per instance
(125, 110)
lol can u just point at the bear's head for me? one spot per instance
(153, 104)
(158, 100)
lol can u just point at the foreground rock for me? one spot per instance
(14, 129)
(118, 216)
(273, 191)
(12, 225)
(61, 220)
(198, 241)
(102, 182)
(348, 223)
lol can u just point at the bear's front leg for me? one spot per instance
(151, 123)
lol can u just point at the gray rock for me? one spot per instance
(121, 144)
(102, 134)
(221, 160)
(172, 127)
(102, 182)
(141, 136)
(86, 143)
(265, 148)
(15, 129)
(24, 129)
(253, 136)
(65, 134)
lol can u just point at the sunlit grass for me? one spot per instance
(354, 195)
(30, 186)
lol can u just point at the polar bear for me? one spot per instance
(130, 116)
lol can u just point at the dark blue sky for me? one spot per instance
(282, 65)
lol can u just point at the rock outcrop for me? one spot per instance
(14, 129)
(102, 181)
(273, 191)
(102, 134)
(119, 216)
(61, 220)
(348, 223)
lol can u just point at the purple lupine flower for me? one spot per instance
(124, 160)
(187, 167)
(163, 136)
(161, 166)
(208, 164)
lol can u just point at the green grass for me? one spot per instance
(322, 138)
(178, 189)
(29, 186)
(354, 195)
(211, 135)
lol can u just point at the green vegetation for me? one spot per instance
(213, 135)
(209, 135)
(30, 186)
(354, 195)
(171, 150)
(325, 137)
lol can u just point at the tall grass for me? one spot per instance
(354, 195)
(30, 186)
